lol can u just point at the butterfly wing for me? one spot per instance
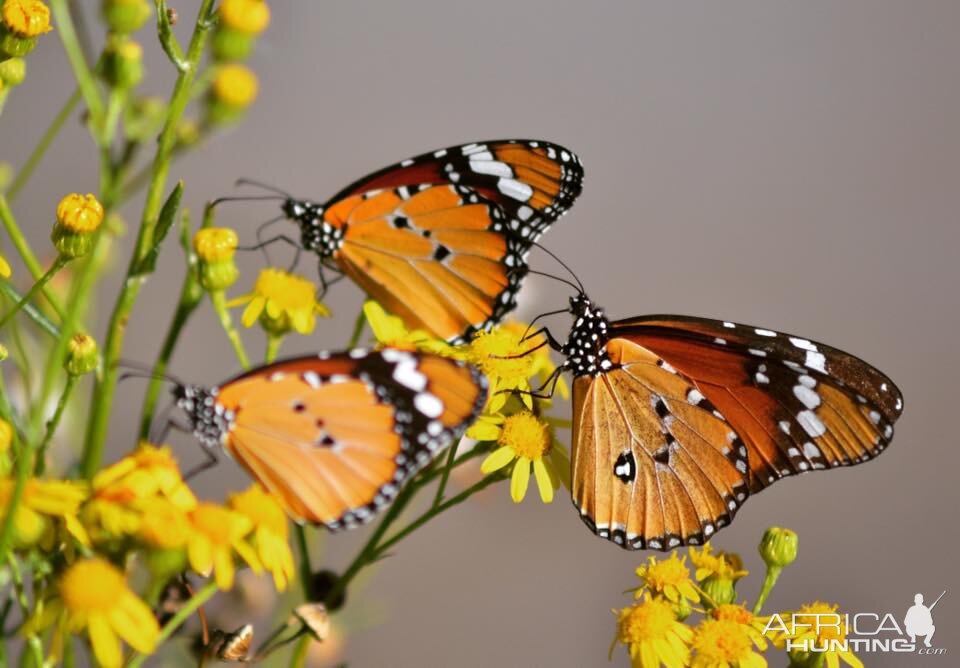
(533, 182)
(797, 404)
(434, 255)
(334, 437)
(442, 239)
(654, 465)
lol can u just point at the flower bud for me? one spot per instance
(778, 547)
(122, 64)
(21, 22)
(12, 72)
(144, 117)
(248, 16)
(720, 590)
(234, 89)
(215, 246)
(125, 16)
(78, 217)
(82, 355)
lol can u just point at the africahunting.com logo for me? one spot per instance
(860, 632)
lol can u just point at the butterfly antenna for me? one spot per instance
(578, 288)
(246, 198)
(561, 263)
(142, 371)
(264, 186)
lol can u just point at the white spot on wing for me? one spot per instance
(492, 167)
(811, 423)
(428, 404)
(802, 343)
(765, 332)
(515, 189)
(807, 397)
(816, 361)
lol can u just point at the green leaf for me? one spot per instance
(168, 215)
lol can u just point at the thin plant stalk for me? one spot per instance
(26, 253)
(41, 283)
(183, 614)
(41, 464)
(219, 301)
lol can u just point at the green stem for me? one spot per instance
(219, 301)
(113, 347)
(23, 248)
(191, 606)
(23, 467)
(273, 348)
(773, 573)
(32, 311)
(445, 476)
(54, 269)
(434, 511)
(299, 658)
(357, 329)
(40, 150)
(191, 294)
(53, 423)
(85, 80)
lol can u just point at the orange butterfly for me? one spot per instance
(442, 239)
(677, 420)
(333, 436)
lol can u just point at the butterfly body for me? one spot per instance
(334, 436)
(677, 420)
(441, 239)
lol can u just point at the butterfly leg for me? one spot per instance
(324, 282)
(538, 393)
(211, 461)
(550, 340)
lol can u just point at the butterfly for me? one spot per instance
(441, 240)
(677, 420)
(333, 436)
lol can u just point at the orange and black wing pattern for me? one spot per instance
(442, 239)
(333, 437)
(654, 466)
(797, 404)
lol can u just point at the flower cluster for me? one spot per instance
(513, 428)
(660, 629)
(141, 513)
(235, 86)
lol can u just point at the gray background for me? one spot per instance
(787, 164)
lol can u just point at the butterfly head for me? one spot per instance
(209, 420)
(316, 233)
(586, 346)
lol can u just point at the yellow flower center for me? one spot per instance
(670, 572)
(27, 18)
(250, 16)
(80, 213)
(733, 613)
(526, 435)
(93, 585)
(500, 353)
(723, 641)
(215, 244)
(646, 621)
(236, 85)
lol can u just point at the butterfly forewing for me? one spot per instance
(798, 405)
(653, 464)
(333, 438)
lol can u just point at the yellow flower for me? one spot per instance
(43, 502)
(390, 331)
(724, 643)
(528, 441)
(817, 625)
(506, 360)
(281, 302)
(270, 532)
(215, 244)
(5, 270)
(163, 524)
(717, 573)
(94, 596)
(653, 635)
(235, 85)
(80, 213)
(249, 16)
(217, 533)
(26, 18)
(82, 354)
(752, 624)
(669, 578)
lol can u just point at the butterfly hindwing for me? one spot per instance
(654, 464)
(334, 437)
(797, 404)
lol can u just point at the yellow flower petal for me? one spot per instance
(200, 555)
(497, 459)
(253, 311)
(520, 479)
(106, 645)
(544, 484)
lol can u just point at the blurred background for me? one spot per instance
(784, 164)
